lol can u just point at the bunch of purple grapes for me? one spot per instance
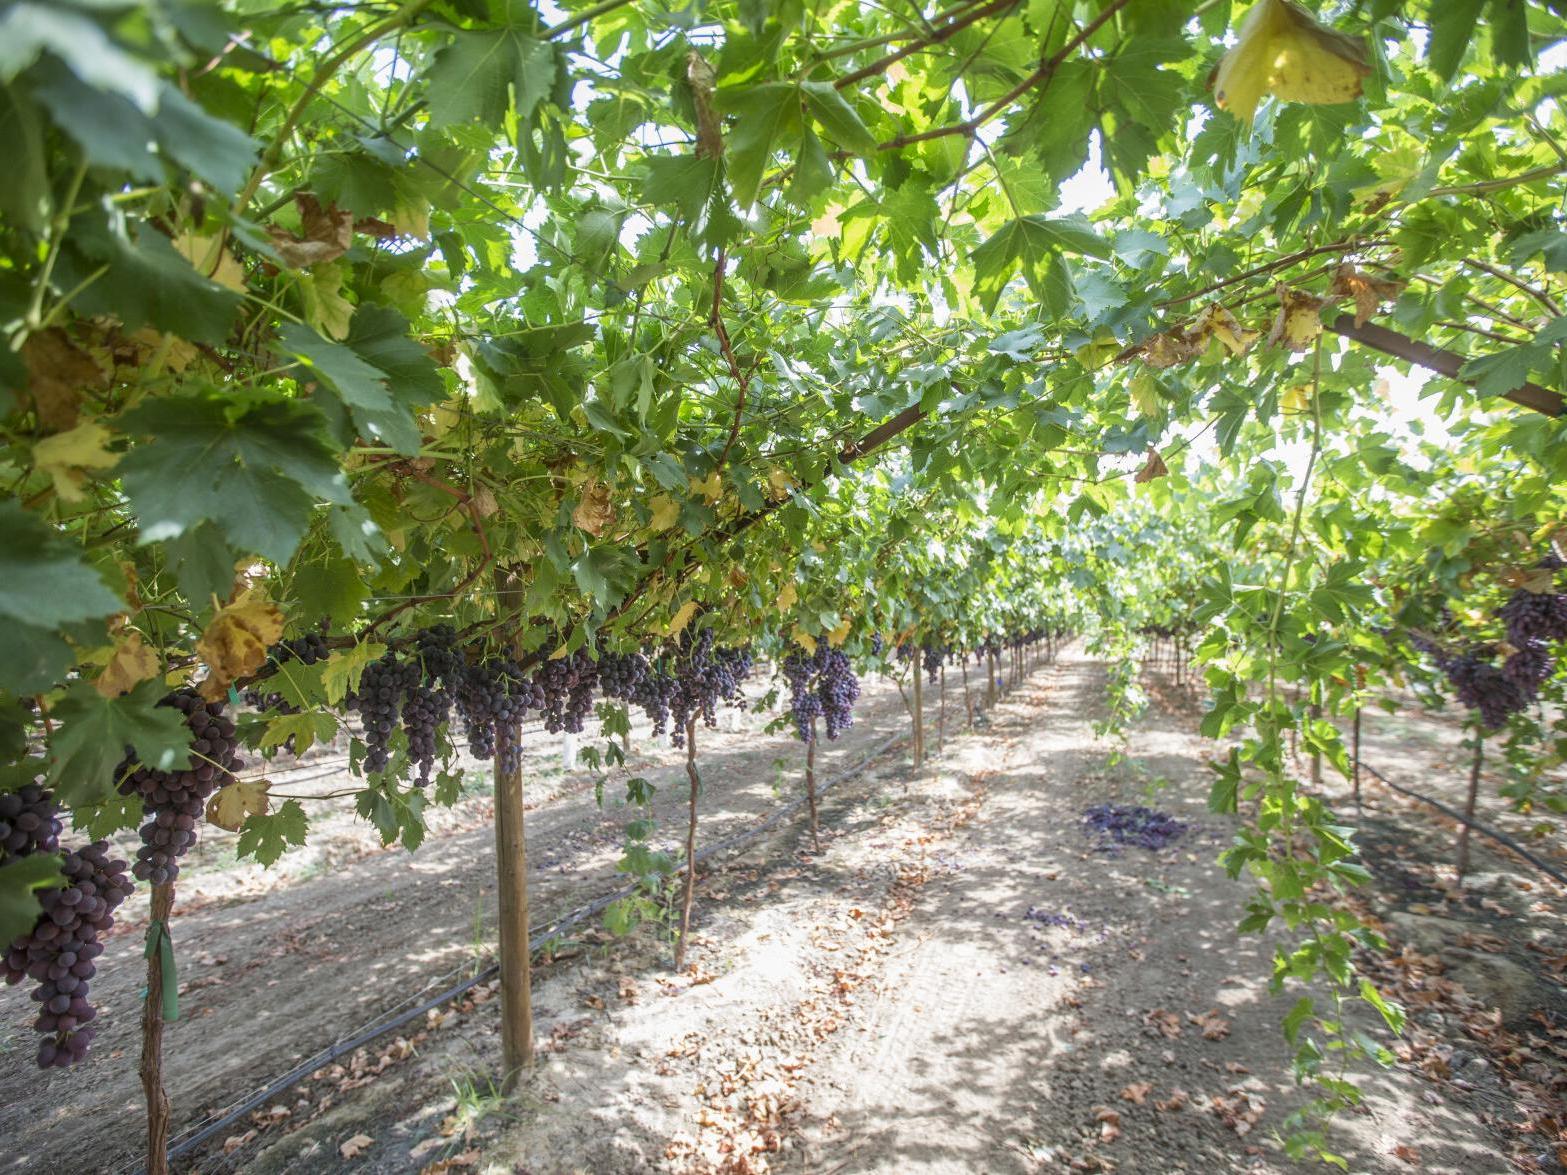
(29, 823)
(932, 656)
(1481, 686)
(173, 800)
(1535, 620)
(800, 670)
(654, 690)
(492, 697)
(58, 952)
(704, 675)
(821, 684)
(383, 686)
(568, 684)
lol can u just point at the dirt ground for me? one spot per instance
(956, 982)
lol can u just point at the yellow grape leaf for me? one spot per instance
(1153, 468)
(237, 640)
(1282, 50)
(232, 805)
(411, 217)
(345, 667)
(177, 354)
(840, 634)
(1297, 323)
(711, 488)
(212, 258)
(787, 595)
(1295, 400)
(67, 455)
(1217, 322)
(666, 511)
(682, 618)
(129, 665)
(804, 639)
(325, 307)
(1144, 390)
(737, 578)
(781, 483)
(595, 512)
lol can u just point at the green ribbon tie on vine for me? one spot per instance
(160, 943)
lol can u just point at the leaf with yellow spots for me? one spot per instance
(236, 642)
(666, 512)
(129, 665)
(67, 456)
(804, 639)
(1282, 50)
(680, 619)
(787, 595)
(1297, 323)
(232, 805)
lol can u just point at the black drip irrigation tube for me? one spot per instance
(193, 1139)
(1501, 839)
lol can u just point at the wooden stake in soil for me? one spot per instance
(968, 699)
(810, 784)
(696, 786)
(941, 708)
(990, 680)
(511, 872)
(152, 1019)
(1469, 807)
(919, 709)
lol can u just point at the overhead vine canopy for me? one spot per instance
(582, 317)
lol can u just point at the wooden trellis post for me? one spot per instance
(511, 871)
(919, 708)
(696, 787)
(810, 785)
(1469, 806)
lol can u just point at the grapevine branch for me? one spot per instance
(1439, 360)
(742, 379)
(945, 32)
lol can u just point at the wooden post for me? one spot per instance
(968, 698)
(152, 1041)
(696, 786)
(810, 784)
(990, 679)
(919, 708)
(1469, 807)
(511, 872)
(941, 708)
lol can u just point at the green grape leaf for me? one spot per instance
(92, 733)
(256, 470)
(29, 30)
(266, 836)
(484, 74)
(44, 581)
(142, 282)
(20, 881)
(764, 116)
